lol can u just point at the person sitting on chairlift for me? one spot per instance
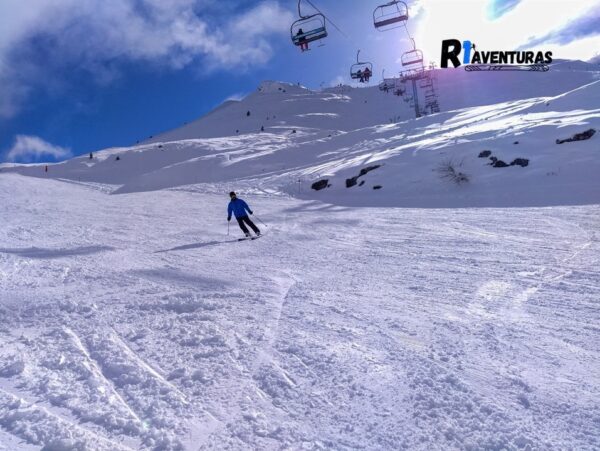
(361, 77)
(302, 40)
(366, 74)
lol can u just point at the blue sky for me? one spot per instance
(82, 75)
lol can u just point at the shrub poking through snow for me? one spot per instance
(377, 187)
(449, 170)
(485, 153)
(578, 136)
(500, 164)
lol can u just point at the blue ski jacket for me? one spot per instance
(238, 207)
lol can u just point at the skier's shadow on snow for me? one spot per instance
(195, 246)
(41, 253)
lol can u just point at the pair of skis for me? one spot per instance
(246, 238)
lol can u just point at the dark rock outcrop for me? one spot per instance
(485, 153)
(363, 171)
(578, 136)
(520, 162)
(500, 164)
(351, 181)
(320, 184)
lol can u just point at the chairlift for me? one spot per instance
(387, 84)
(361, 71)
(308, 28)
(391, 15)
(411, 58)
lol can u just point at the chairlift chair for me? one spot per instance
(308, 28)
(384, 85)
(390, 15)
(412, 57)
(400, 91)
(389, 84)
(357, 71)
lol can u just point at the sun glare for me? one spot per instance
(436, 20)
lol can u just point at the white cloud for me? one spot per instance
(32, 148)
(582, 49)
(96, 36)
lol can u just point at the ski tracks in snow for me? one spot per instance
(396, 329)
(284, 283)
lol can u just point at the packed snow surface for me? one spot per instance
(134, 321)
(132, 318)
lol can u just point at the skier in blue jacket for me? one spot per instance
(238, 207)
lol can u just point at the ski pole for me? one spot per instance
(260, 221)
(227, 228)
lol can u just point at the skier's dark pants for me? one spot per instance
(245, 219)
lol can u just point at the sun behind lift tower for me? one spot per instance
(415, 73)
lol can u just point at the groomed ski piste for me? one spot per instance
(424, 314)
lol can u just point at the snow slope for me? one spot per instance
(137, 320)
(340, 130)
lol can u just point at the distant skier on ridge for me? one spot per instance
(238, 207)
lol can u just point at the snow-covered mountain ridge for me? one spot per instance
(333, 133)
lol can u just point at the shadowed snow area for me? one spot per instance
(34, 252)
(138, 321)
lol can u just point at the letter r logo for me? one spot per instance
(450, 51)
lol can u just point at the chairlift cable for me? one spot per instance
(329, 20)
(337, 28)
(410, 37)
